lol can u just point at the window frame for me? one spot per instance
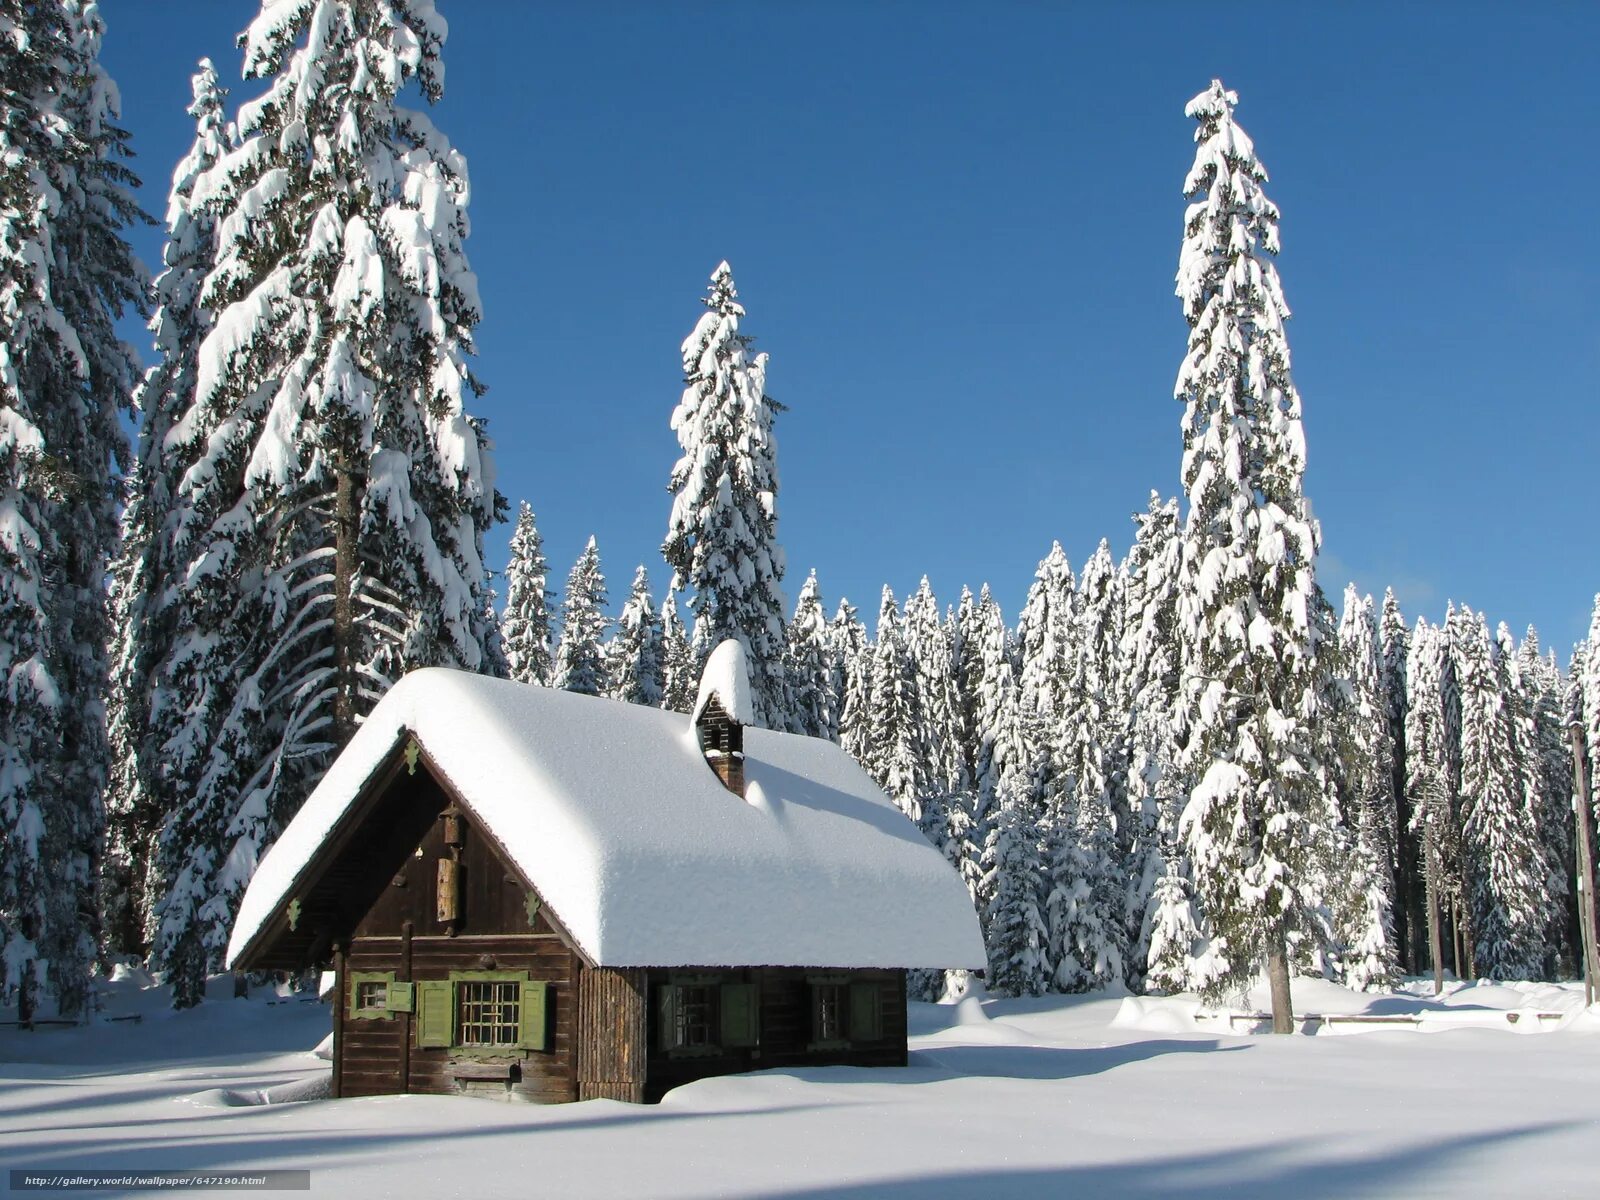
(356, 1011)
(533, 1015)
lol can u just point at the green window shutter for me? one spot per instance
(866, 1013)
(436, 1012)
(401, 997)
(740, 1014)
(532, 1027)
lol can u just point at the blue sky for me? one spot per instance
(955, 227)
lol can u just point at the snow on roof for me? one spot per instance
(610, 811)
(727, 677)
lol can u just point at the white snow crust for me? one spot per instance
(727, 677)
(636, 846)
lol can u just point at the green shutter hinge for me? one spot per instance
(413, 752)
(294, 915)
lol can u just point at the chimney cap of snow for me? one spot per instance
(727, 677)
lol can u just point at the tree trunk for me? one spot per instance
(1435, 917)
(25, 996)
(1584, 853)
(344, 570)
(1278, 978)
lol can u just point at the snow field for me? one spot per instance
(1042, 1097)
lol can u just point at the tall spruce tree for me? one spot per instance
(1539, 681)
(1429, 788)
(679, 676)
(896, 753)
(1365, 922)
(1248, 610)
(634, 656)
(144, 575)
(851, 678)
(66, 274)
(814, 712)
(331, 526)
(525, 624)
(1410, 919)
(1155, 791)
(1046, 630)
(1505, 871)
(580, 664)
(722, 538)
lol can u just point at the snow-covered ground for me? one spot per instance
(1060, 1097)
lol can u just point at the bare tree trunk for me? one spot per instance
(1278, 979)
(344, 570)
(1435, 917)
(1585, 866)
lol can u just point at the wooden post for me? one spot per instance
(340, 978)
(406, 1018)
(1586, 897)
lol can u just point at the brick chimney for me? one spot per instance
(721, 711)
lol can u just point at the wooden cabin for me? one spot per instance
(534, 895)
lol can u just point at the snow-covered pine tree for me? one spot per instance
(1429, 787)
(634, 656)
(810, 667)
(1045, 633)
(1016, 934)
(66, 274)
(1456, 637)
(722, 538)
(1410, 918)
(1587, 681)
(962, 626)
(1155, 789)
(1248, 610)
(1540, 683)
(927, 641)
(525, 623)
(1516, 670)
(1087, 904)
(896, 755)
(144, 575)
(1365, 923)
(850, 678)
(679, 675)
(580, 663)
(1505, 871)
(332, 524)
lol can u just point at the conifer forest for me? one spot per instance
(1186, 761)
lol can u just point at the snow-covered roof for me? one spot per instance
(727, 677)
(610, 810)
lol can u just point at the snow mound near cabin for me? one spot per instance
(1323, 1008)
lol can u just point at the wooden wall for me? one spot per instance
(379, 1057)
(613, 1034)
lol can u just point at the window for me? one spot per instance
(844, 1011)
(827, 1009)
(691, 1025)
(488, 1014)
(497, 1012)
(706, 1015)
(376, 996)
(372, 993)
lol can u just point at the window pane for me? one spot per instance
(488, 1013)
(829, 1012)
(692, 1025)
(372, 993)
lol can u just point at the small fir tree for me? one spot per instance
(580, 664)
(635, 654)
(525, 624)
(810, 667)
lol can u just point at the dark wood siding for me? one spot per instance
(785, 1007)
(613, 1034)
